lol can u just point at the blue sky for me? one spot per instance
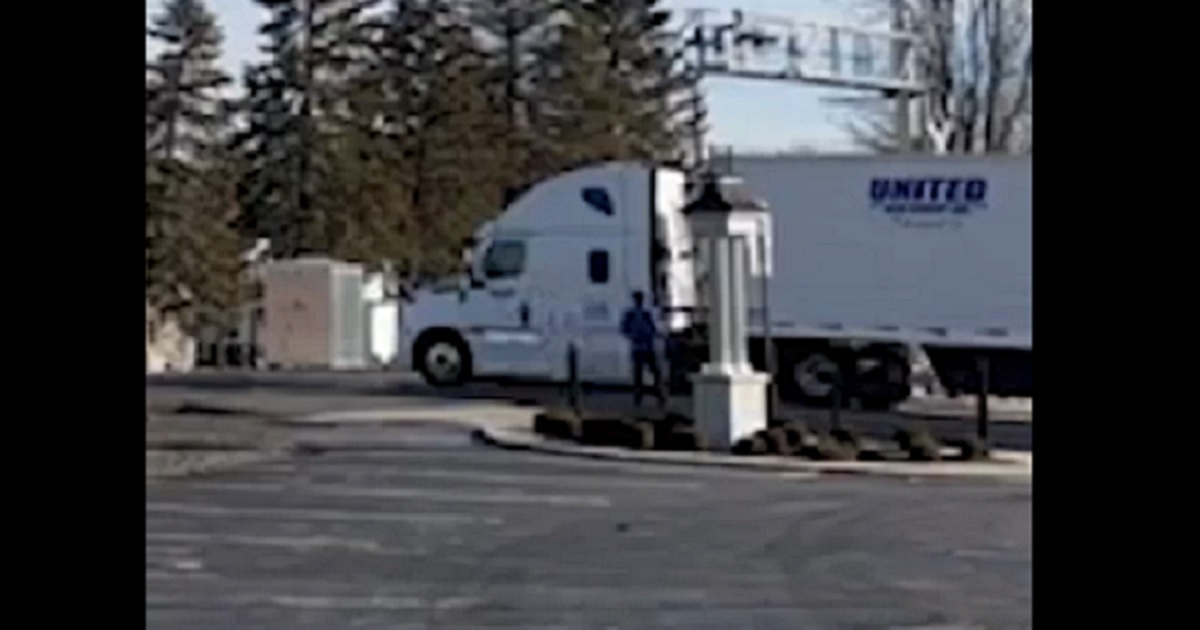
(749, 115)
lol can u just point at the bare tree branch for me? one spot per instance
(977, 58)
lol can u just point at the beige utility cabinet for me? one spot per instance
(313, 314)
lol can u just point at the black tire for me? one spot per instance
(807, 376)
(885, 383)
(443, 360)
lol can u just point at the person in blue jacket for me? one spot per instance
(638, 326)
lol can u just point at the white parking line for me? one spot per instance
(158, 575)
(608, 481)
(316, 602)
(295, 543)
(797, 476)
(173, 561)
(168, 550)
(488, 495)
(301, 514)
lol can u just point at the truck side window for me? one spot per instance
(504, 259)
(598, 266)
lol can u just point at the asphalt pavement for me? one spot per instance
(433, 531)
(301, 393)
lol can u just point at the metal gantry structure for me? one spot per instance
(743, 45)
(740, 44)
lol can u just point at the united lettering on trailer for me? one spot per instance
(906, 198)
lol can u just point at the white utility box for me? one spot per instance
(313, 314)
(382, 320)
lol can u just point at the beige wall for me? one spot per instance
(296, 323)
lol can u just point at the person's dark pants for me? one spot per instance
(646, 360)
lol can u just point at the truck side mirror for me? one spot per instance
(473, 280)
(468, 263)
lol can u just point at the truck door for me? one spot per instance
(574, 295)
(512, 336)
(602, 299)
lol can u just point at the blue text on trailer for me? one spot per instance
(929, 195)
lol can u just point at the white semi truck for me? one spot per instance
(869, 264)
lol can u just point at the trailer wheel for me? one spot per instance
(809, 378)
(443, 359)
(881, 378)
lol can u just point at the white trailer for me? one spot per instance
(877, 255)
(867, 258)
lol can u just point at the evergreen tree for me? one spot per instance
(295, 110)
(192, 248)
(184, 108)
(514, 38)
(387, 137)
(436, 131)
(613, 95)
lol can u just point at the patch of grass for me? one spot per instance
(871, 455)
(641, 435)
(780, 421)
(615, 431)
(559, 413)
(675, 432)
(685, 438)
(847, 437)
(754, 445)
(836, 447)
(919, 443)
(643, 431)
(558, 423)
(787, 439)
(970, 449)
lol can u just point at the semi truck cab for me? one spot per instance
(558, 266)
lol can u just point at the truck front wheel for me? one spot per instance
(443, 359)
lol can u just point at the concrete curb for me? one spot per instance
(496, 426)
(1000, 410)
(1008, 466)
(452, 413)
(950, 415)
(486, 428)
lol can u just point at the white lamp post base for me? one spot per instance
(729, 405)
